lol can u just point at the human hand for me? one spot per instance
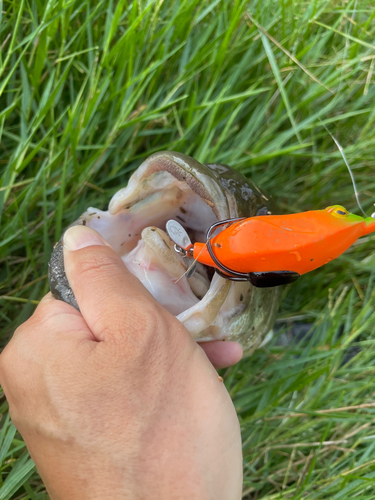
(118, 401)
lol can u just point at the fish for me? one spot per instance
(171, 185)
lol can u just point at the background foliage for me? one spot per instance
(88, 89)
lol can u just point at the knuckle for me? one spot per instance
(96, 264)
(16, 417)
(45, 312)
(7, 364)
(47, 316)
(137, 328)
(146, 319)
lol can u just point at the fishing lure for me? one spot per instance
(273, 250)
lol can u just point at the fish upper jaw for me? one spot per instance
(171, 167)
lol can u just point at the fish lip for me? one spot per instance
(184, 168)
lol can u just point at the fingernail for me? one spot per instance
(78, 237)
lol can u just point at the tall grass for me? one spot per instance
(88, 89)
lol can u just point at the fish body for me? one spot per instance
(298, 243)
(170, 185)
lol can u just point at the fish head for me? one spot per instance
(170, 185)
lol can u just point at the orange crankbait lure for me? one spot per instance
(272, 250)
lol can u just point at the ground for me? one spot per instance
(90, 88)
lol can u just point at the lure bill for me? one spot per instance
(272, 250)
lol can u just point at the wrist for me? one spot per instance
(160, 475)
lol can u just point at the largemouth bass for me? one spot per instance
(170, 185)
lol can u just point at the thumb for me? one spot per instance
(110, 298)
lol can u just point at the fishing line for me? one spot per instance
(339, 147)
(193, 263)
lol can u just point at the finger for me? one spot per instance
(55, 317)
(55, 330)
(110, 298)
(46, 299)
(49, 305)
(222, 354)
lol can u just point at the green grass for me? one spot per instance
(88, 89)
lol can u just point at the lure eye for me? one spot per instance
(340, 212)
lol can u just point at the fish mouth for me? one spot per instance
(170, 185)
(165, 187)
